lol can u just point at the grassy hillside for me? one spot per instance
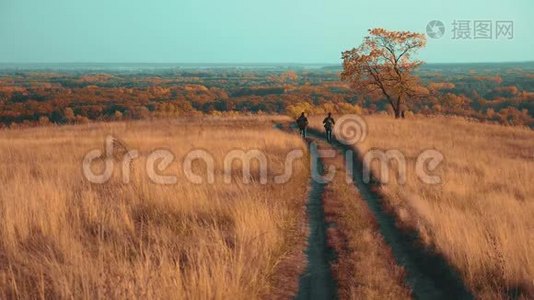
(64, 237)
(481, 215)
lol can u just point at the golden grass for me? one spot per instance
(63, 237)
(364, 266)
(481, 217)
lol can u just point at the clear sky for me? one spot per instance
(246, 31)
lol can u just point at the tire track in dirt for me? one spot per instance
(317, 282)
(427, 273)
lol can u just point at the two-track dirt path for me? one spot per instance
(427, 274)
(317, 282)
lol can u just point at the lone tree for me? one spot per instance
(383, 64)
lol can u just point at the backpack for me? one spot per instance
(302, 122)
(328, 123)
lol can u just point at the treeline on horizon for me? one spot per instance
(495, 93)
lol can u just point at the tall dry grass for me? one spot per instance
(481, 217)
(64, 237)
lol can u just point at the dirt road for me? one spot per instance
(427, 273)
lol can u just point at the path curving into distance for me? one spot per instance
(317, 281)
(427, 273)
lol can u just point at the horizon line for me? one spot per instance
(243, 63)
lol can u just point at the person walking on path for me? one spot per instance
(302, 123)
(329, 123)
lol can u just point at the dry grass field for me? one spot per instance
(64, 237)
(481, 216)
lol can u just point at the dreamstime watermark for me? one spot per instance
(350, 129)
(160, 160)
(253, 164)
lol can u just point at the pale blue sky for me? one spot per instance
(245, 31)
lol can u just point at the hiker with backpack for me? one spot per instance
(302, 123)
(329, 123)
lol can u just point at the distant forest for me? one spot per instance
(40, 95)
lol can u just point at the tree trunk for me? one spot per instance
(395, 105)
(398, 109)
